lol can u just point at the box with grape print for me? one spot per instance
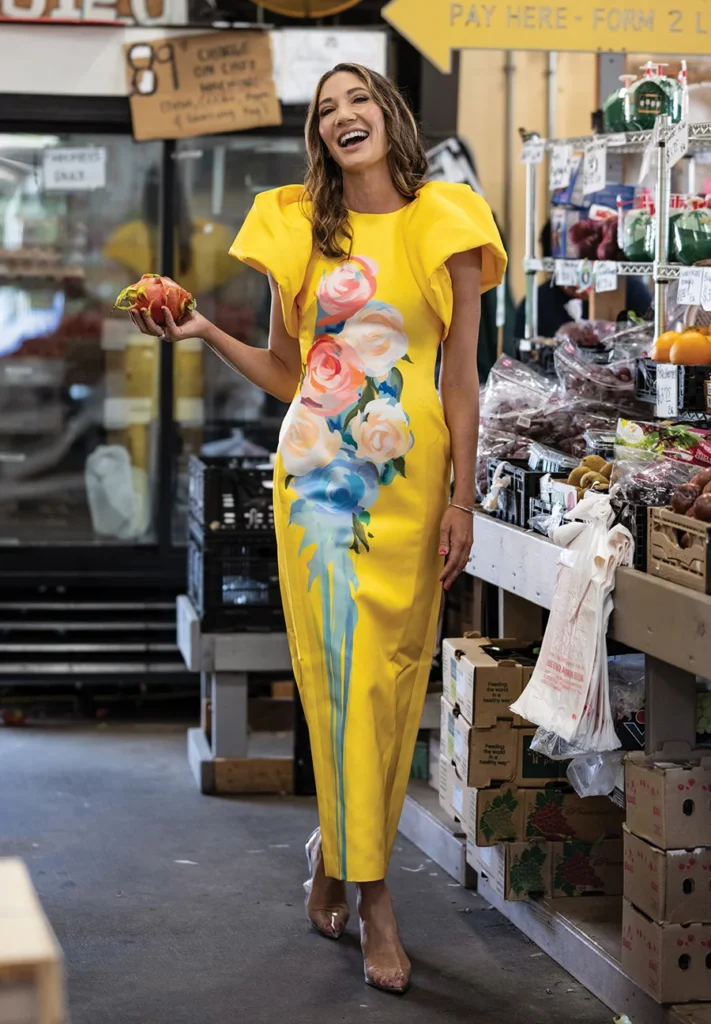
(510, 814)
(586, 869)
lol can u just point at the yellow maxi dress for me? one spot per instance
(360, 486)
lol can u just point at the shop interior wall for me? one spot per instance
(502, 91)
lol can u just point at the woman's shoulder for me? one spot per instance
(289, 202)
(452, 200)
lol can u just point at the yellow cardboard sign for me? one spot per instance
(436, 27)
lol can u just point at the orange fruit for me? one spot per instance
(662, 346)
(691, 349)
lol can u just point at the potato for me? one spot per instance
(702, 508)
(576, 475)
(606, 470)
(702, 478)
(592, 477)
(595, 462)
(684, 497)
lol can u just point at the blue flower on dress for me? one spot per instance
(342, 489)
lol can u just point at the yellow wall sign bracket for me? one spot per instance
(436, 27)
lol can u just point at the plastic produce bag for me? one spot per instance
(568, 693)
(597, 774)
(514, 393)
(117, 493)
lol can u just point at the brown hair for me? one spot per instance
(324, 178)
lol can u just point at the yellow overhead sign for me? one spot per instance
(436, 27)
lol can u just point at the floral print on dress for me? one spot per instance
(345, 436)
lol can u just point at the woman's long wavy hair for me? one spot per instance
(324, 178)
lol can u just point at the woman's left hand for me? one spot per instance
(456, 537)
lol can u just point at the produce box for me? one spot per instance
(634, 517)
(481, 686)
(454, 796)
(667, 800)
(518, 870)
(501, 753)
(510, 814)
(513, 501)
(669, 886)
(31, 969)
(667, 960)
(679, 549)
(691, 392)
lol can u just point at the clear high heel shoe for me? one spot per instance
(330, 920)
(387, 969)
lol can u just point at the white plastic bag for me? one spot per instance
(568, 693)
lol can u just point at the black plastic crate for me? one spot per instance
(693, 392)
(231, 495)
(634, 517)
(514, 501)
(234, 584)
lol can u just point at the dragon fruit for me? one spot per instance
(153, 292)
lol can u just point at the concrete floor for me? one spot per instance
(174, 908)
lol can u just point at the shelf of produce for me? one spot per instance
(636, 142)
(659, 271)
(526, 564)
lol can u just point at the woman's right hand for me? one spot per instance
(193, 325)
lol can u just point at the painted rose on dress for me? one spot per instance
(306, 441)
(334, 376)
(346, 289)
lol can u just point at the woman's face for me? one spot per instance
(351, 123)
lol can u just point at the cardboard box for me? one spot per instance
(510, 814)
(31, 968)
(669, 799)
(514, 871)
(670, 887)
(667, 960)
(518, 870)
(481, 686)
(447, 729)
(454, 797)
(501, 753)
(585, 869)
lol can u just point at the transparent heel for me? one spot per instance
(326, 904)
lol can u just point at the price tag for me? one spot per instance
(706, 289)
(595, 166)
(617, 139)
(689, 293)
(567, 273)
(667, 406)
(677, 144)
(605, 276)
(561, 166)
(533, 151)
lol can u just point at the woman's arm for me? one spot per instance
(459, 387)
(276, 369)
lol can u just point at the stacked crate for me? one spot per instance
(527, 832)
(666, 927)
(233, 576)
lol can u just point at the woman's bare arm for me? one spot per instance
(459, 387)
(276, 369)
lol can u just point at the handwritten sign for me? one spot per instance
(436, 27)
(560, 167)
(567, 273)
(689, 293)
(605, 276)
(667, 404)
(677, 144)
(706, 289)
(74, 168)
(595, 166)
(533, 151)
(201, 85)
(302, 55)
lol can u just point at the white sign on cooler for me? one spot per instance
(74, 169)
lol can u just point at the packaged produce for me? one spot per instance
(641, 479)
(589, 334)
(499, 444)
(596, 239)
(614, 117)
(513, 395)
(638, 232)
(152, 293)
(650, 96)
(549, 460)
(608, 377)
(675, 441)
(600, 442)
(690, 235)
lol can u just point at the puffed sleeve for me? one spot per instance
(276, 238)
(447, 219)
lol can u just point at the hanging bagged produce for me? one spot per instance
(568, 693)
(650, 96)
(614, 109)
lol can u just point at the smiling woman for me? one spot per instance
(371, 269)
